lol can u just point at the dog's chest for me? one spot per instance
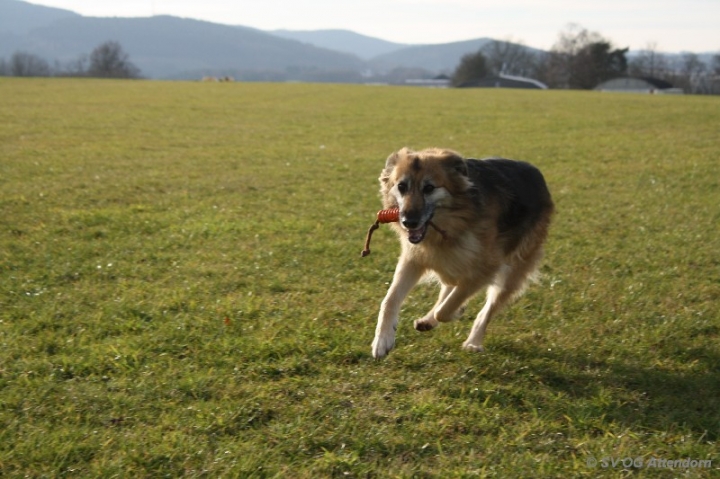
(456, 261)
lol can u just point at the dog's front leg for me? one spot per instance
(407, 274)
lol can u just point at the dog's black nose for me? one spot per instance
(410, 223)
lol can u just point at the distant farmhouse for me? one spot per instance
(505, 81)
(440, 81)
(638, 85)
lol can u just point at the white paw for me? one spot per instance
(382, 344)
(476, 348)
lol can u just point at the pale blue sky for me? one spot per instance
(672, 25)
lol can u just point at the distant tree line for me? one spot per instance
(107, 60)
(581, 59)
(688, 72)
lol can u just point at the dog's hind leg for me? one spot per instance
(492, 305)
(508, 284)
(407, 274)
(452, 306)
(428, 322)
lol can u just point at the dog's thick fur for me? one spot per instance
(494, 215)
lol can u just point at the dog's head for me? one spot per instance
(421, 183)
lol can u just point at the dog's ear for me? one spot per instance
(461, 166)
(458, 172)
(391, 162)
(456, 164)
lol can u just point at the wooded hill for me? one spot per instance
(177, 48)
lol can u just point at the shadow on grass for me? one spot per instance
(629, 391)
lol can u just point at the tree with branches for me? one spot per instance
(510, 58)
(582, 59)
(23, 64)
(649, 63)
(110, 61)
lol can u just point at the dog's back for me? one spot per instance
(522, 196)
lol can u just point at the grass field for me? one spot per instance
(182, 294)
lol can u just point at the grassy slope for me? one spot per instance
(181, 290)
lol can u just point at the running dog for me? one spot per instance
(491, 219)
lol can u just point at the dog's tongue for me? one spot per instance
(416, 236)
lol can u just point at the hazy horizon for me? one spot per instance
(670, 25)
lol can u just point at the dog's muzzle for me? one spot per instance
(416, 231)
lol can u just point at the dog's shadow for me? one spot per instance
(627, 391)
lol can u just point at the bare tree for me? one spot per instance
(557, 64)
(582, 59)
(110, 61)
(510, 58)
(574, 39)
(4, 68)
(687, 72)
(552, 70)
(649, 63)
(23, 64)
(75, 68)
(693, 73)
(715, 75)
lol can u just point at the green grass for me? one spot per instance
(182, 294)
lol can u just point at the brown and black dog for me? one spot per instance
(492, 218)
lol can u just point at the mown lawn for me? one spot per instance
(182, 294)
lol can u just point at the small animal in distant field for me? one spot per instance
(489, 219)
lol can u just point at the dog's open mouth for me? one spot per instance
(417, 235)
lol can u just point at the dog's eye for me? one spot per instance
(402, 187)
(427, 189)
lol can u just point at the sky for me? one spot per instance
(667, 25)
